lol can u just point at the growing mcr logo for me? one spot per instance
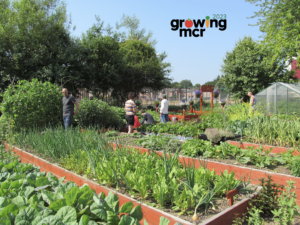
(218, 21)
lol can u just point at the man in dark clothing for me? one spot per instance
(147, 118)
(68, 108)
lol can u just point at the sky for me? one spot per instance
(198, 59)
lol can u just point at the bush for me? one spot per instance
(174, 107)
(99, 114)
(4, 126)
(32, 104)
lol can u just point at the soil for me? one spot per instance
(220, 203)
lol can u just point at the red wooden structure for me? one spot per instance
(179, 117)
(204, 88)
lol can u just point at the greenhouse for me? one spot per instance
(279, 98)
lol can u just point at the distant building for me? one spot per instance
(293, 66)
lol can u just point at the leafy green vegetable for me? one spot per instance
(57, 202)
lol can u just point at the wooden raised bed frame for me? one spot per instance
(150, 214)
(275, 149)
(253, 174)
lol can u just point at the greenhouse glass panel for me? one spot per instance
(279, 98)
(293, 103)
(271, 100)
(261, 100)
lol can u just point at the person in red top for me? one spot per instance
(136, 120)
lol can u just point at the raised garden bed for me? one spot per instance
(184, 117)
(180, 117)
(164, 142)
(218, 167)
(28, 196)
(275, 149)
(151, 214)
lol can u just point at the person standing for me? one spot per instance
(68, 108)
(147, 118)
(130, 109)
(164, 113)
(252, 101)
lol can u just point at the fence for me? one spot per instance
(174, 95)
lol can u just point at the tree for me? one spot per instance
(280, 22)
(246, 68)
(103, 60)
(168, 83)
(197, 85)
(35, 43)
(175, 85)
(213, 82)
(141, 69)
(186, 83)
(134, 33)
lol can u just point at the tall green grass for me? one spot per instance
(58, 143)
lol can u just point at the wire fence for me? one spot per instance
(174, 96)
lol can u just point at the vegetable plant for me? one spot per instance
(143, 176)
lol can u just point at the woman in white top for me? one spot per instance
(164, 114)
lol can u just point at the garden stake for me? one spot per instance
(230, 195)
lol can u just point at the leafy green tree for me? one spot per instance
(134, 33)
(246, 68)
(141, 69)
(175, 84)
(103, 60)
(214, 82)
(168, 83)
(197, 85)
(280, 23)
(186, 83)
(35, 43)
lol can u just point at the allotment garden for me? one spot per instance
(228, 166)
